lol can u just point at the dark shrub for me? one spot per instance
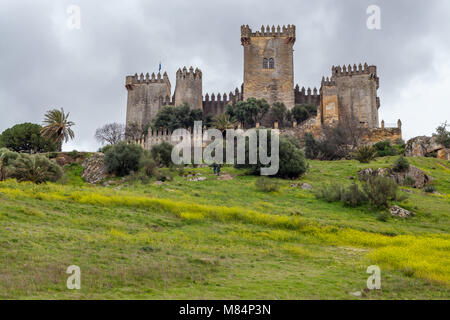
(147, 164)
(311, 147)
(266, 184)
(384, 149)
(162, 154)
(365, 154)
(429, 189)
(123, 158)
(36, 168)
(380, 190)
(401, 164)
(292, 162)
(352, 196)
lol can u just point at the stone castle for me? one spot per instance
(350, 92)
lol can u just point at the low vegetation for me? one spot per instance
(224, 239)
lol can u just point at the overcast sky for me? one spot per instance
(44, 64)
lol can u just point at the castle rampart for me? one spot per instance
(188, 88)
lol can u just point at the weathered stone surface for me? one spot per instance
(94, 168)
(306, 186)
(422, 146)
(397, 211)
(419, 177)
(444, 154)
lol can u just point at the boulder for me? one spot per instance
(397, 211)
(419, 178)
(306, 186)
(444, 154)
(94, 168)
(422, 146)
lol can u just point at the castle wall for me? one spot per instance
(304, 96)
(188, 88)
(272, 84)
(216, 104)
(146, 95)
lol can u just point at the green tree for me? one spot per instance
(302, 112)
(248, 112)
(26, 137)
(162, 153)
(123, 158)
(278, 112)
(443, 135)
(223, 122)
(57, 127)
(174, 117)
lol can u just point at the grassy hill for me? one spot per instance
(221, 239)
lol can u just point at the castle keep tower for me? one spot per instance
(146, 95)
(269, 64)
(188, 88)
(351, 93)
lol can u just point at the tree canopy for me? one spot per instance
(26, 137)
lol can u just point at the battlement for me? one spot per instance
(147, 79)
(355, 70)
(279, 31)
(328, 82)
(306, 96)
(189, 74)
(216, 104)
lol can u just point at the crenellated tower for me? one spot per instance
(146, 95)
(188, 88)
(351, 93)
(269, 64)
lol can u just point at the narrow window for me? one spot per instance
(271, 63)
(265, 64)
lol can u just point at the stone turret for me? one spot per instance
(188, 88)
(146, 95)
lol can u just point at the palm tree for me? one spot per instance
(57, 128)
(223, 122)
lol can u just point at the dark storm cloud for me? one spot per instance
(45, 65)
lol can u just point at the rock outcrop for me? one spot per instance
(444, 154)
(397, 211)
(416, 176)
(94, 168)
(423, 146)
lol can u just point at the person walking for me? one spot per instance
(218, 171)
(215, 167)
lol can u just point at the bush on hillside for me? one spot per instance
(123, 158)
(365, 154)
(380, 191)
(350, 196)
(162, 154)
(401, 164)
(147, 164)
(35, 168)
(292, 160)
(385, 149)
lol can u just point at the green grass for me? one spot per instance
(221, 239)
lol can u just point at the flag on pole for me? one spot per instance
(159, 66)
